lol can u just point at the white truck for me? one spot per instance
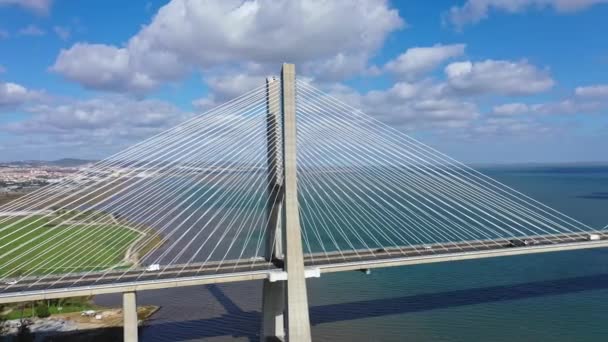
(153, 267)
(594, 237)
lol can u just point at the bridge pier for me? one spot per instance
(129, 311)
(273, 306)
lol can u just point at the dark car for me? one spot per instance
(519, 243)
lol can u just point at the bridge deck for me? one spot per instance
(241, 270)
(421, 254)
(38, 288)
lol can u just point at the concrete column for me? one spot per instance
(273, 295)
(129, 311)
(274, 126)
(273, 307)
(298, 323)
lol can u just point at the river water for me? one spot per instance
(544, 297)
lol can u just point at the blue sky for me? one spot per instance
(484, 80)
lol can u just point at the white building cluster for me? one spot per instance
(14, 178)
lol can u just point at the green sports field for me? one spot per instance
(73, 242)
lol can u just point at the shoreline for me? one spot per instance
(76, 323)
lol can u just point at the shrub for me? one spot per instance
(42, 311)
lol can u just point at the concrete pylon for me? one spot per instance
(274, 137)
(129, 312)
(297, 320)
(273, 295)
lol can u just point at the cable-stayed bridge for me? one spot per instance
(280, 184)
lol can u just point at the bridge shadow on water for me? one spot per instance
(239, 323)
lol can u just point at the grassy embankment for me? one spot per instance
(53, 307)
(63, 242)
(68, 241)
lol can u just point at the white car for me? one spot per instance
(11, 282)
(153, 267)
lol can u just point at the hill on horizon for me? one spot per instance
(64, 162)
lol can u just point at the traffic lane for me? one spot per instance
(139, 276)
(172, 268)
(482, 244)
(366, 255)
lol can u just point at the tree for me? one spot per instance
(42, 311)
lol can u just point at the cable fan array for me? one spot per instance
(195, 200)
(190, 198)
(365, 186)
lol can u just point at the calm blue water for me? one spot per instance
(546, 297)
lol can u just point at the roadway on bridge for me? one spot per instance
(327, 262)
(535, 244)
(137, 275)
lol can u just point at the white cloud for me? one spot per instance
(419, 60)
(110, 122)
(62, 32)
(412, 105)
(474, 11)
(511, 109)
(32, 30)
(567, 106)
(498, 77)
(101, 66)
(104, 120)
(227, 86)
(188, 34)
(13, 94)
(509, 126)
(446, 107)
(339, 67)
(594, 91)
(585, 100)
(36, 6)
